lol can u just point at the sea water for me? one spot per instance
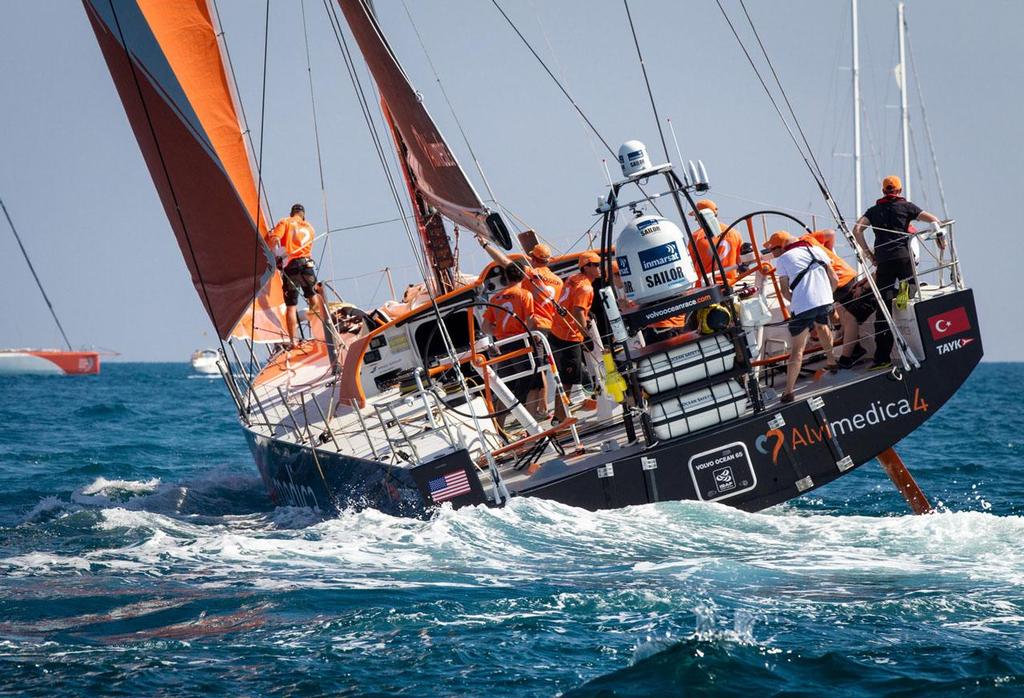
(140, 555)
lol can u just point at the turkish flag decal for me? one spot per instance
(949, 323)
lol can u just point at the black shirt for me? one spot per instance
(888, 214)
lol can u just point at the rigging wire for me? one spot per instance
(257, 212)
(246, 133)
(647, 81)
(924, 120)
(451, 108)
(555, 79)
(35, 275)
(905, 353)
(565, 78)
(316, 136)
(771, 97)
(785, 97)
(449, 345)
(167, 175)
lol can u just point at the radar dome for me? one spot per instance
(633, 158)
(653, 259)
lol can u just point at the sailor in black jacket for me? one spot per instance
(890, 218)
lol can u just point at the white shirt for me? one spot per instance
(814, 289)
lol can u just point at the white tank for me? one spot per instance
(633, 158)
(681, 414)
(684, 364)
(653, 258)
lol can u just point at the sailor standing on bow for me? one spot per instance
(890, 218)
(292, 243)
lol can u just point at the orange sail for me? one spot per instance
(167, 66)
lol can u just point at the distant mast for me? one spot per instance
(901, 77)
(857, 185)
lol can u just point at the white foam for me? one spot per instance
(536, 540)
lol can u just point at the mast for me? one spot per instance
(901, 76)
(857, 185)
(35, 276)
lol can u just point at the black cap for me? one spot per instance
(298, 207)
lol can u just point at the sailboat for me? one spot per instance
(45, 362)
(395, 408)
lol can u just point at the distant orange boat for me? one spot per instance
(45, 361)
(48, 362)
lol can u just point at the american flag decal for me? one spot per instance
(448, 486)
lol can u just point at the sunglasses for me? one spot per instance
(591, 264)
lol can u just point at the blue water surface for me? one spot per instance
(140, 555)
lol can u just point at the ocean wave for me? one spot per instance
(531, 540)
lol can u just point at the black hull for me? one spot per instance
(751, 463)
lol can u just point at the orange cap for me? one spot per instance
(705, 203)
(891, 185)
(589, 257)
(780, 238)
(541, 251)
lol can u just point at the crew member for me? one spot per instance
(855, 306)
(292, 243)
(545, 286)
(826, 236)
(727, 243)
(510, 313)
(569, 328)
(890, 218)
(807, 282)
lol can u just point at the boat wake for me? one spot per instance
(662, 598)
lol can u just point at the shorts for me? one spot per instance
(802, 322)
(860, 307)
(300, 273)
(569, 360)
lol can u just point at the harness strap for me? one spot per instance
(815, 262)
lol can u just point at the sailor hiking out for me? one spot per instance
(890, 218)
(292, 243)
(807, 281)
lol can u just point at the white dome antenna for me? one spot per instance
(633, 158)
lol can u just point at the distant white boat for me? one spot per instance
(205, 361)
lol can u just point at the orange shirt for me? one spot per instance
(728, 251)
(295, 235)
(545, 286)
(577, 293)
(844, 271)
(677, 322)
(518, 302)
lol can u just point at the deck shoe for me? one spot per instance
(880, 366)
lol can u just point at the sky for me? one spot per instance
(76, 186)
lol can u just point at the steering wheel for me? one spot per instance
(480, 360)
